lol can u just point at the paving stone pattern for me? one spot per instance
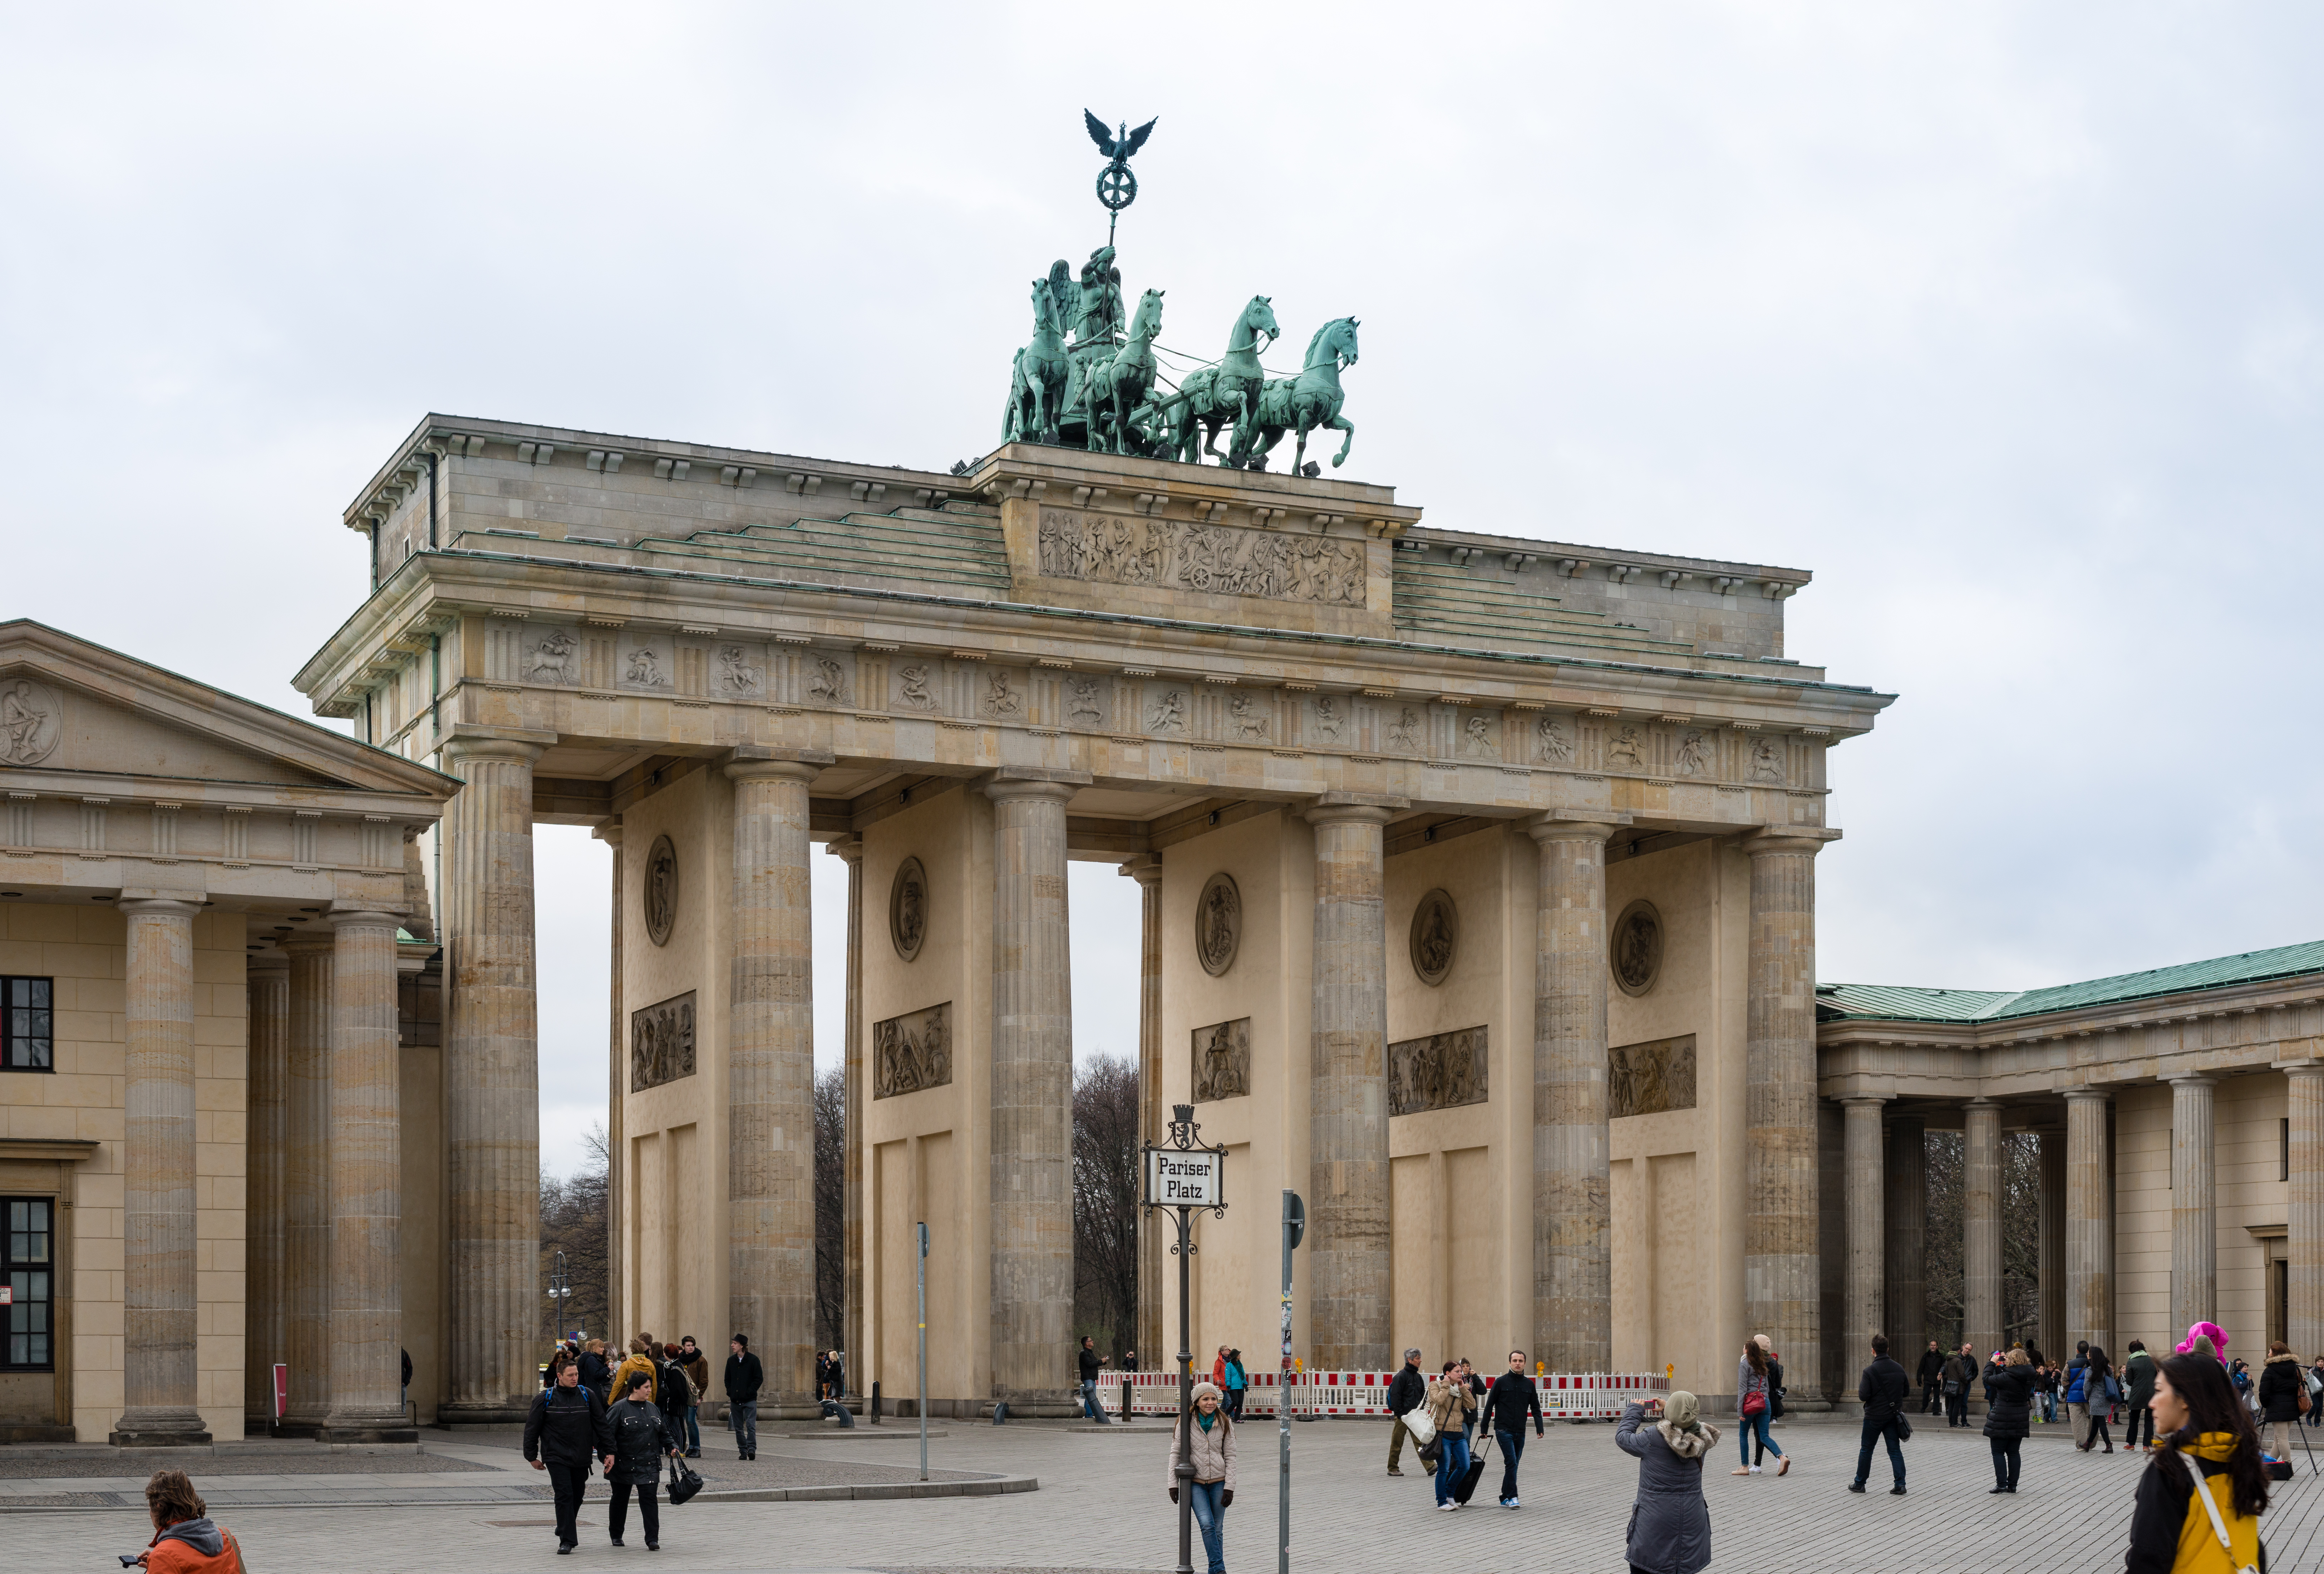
(1102, 1507)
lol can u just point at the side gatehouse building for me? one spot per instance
(1477, 879)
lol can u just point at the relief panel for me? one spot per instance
(1441, 1072)
(662, 1043)
(1223, 1061)
(1650, 1078)
(912, 1052)
(1215, 559)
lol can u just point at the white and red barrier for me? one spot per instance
(1564, 1395)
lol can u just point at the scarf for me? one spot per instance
(202, 1534)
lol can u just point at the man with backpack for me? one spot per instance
(567, 1429)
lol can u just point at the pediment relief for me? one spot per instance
(57, 727)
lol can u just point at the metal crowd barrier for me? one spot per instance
(1564, 1395)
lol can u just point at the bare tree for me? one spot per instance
(2021, 1238)
(1105, 1200)
(831, 1209)
(573, 1220)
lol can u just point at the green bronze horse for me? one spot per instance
(1036, 381)
(1311, 399)
(1227, 391)
(1118, 386)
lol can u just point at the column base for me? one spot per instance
(290, 1427)
(1039, 1404)
(389, 1427)
(158, 1428)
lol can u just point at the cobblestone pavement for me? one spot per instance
(1102, 1507)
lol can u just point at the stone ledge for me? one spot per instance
(885, 1493)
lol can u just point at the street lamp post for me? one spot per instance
(1185, 1177)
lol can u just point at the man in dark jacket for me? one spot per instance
(2138, 1392)
(1959, 1372)
(1932, 1379)
(1507, 1403)
(744, 1377)
(1882, 1389)
(1087, 1364)
(566, 1430)
(1404, 1396)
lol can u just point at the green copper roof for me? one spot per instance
(1908, 1003)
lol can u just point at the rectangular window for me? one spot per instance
(28, 1270)
(26, 1032)
(2283, 1149)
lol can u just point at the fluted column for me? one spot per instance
(1145, 869)
(2304, 1242)
(265, 1325)
(617, 1060)
(855, 1324)
(1781, 1284)
(1350, 1257)
(1031, 1174)
(2194, 1206)
(491, 1084)
(160, 1384)
(1572, 1212)
(1981, 1225)
(2050, 1253)
(367, 1184)
(307, 1185)
(1906, 1202)
(770, 1077)
(1867, 1227)
(2090, 1229)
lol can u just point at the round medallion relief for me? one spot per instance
(661, 890)
(1218, 923)
(1435, 937)
(1636, 948)
(907, 908)
(32, 719)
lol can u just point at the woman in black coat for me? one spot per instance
(2096, 1400)
(2008, 1416)
(641, 1435)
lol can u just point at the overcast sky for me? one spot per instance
(2005, 320)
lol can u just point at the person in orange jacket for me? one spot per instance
(185, 1540)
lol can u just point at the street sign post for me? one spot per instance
(1185, 1177)
(1295, 1229)
(923, 1406)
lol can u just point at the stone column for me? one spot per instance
(2194, 1207)
(492, 1086)
(617, 1061)
(159, 1384)
(264, 1324)
(366, 1186)
(1145, 869)
(854, 1321)
(1981, 1226)
(1867, 1225)
(2304, 1237)
(2089, 1231)
(1031, 1174)
(770, 1077)
(1906, 1203)
(306, 1186)
(2050, 1255)
(1780, 1269)
(1349, 1255)
(1572, 1212)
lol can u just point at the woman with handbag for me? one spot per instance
(2283, 1396)
(2205, 1487)
(641, 1435)
(1454, 1408)
(2008, 1412)
(1752, 1389)
(2102, 1389)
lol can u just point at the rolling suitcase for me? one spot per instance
(1466, 1488)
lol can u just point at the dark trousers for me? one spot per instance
(1874, 1430)
(2006, 1461)
(649, 1510)
(2140, 1415)
(1932, 1397)
(2099, 1433)
(1957, 1409)
(568, 1482)
(1512, 1451)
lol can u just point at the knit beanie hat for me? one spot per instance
(1210, 1388)
(1683, 1409)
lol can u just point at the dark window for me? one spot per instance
(29, 1267)
(26, 1034)
(2283, 1149)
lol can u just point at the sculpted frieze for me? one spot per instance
(662, 1043)
(1647, 1079)
(32, 719)
(1441, 1072)
(1219, 559)
(1223, 1061)
(912, 1052)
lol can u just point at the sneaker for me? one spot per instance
(1394, 1471)
(1856, 1486)
(1448, 1507)
(1756, 1469)
(1512, 1502)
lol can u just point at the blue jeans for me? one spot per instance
(1512, 1451)
(1451, 1464)
(1757, 1424)
(1874, 1430)
(693, 1428)
(744, 1419)
(1090, 1405)
(1210, 1516)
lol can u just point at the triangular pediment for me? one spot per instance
(71, 707)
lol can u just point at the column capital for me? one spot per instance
(474, 740)
(1025, 781)
(1980, 1103)
(1872, 1098)
(1341, 808)
(1577, 824)
(1145, 869)
(266, 962)
(608, 832)
(2194, 1079)
(764, 762)
(161, 906)
(1771, 840)
(849, 847)
(309, 943)
(2311, 1066)
(364, 919)
(2101, 1095)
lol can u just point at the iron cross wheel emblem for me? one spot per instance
(1117, 188)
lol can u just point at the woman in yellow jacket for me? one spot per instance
(640, 1360)
(2206, 1441)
